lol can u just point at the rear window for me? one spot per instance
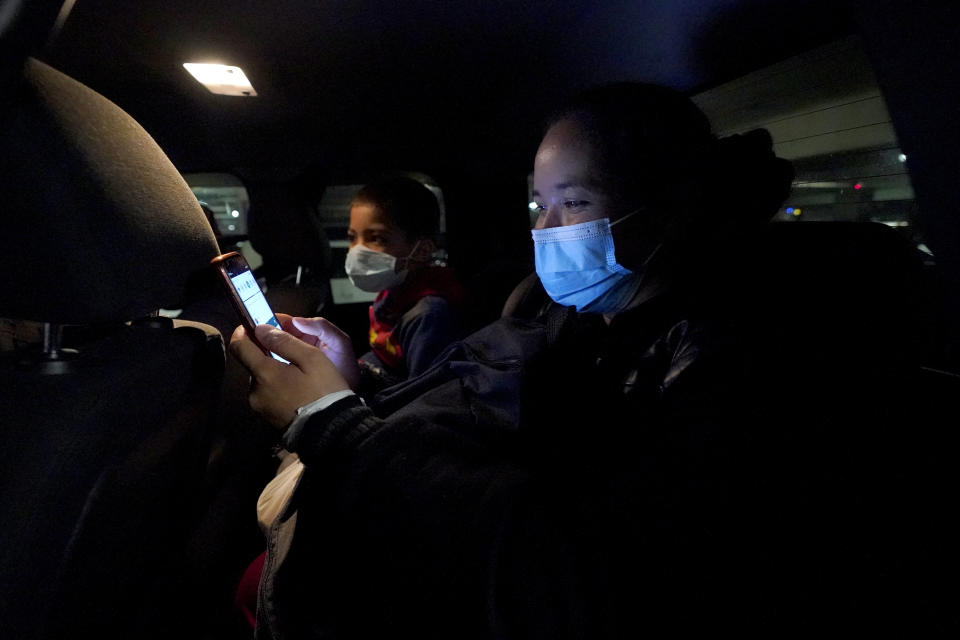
(826, 115)
(226, 196)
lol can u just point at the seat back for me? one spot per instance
(105, 426)
(836, 322)
(815, 288)
(527, 300)
(102, 465)
(286, 231)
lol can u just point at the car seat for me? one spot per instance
(285, 230)
(837, 323)
(845, 474)
(105, 426)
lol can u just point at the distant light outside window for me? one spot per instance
(865, 185)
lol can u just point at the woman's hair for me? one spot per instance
(408, 203)
(656, 148)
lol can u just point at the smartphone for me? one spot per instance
(245, 293)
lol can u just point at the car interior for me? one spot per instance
(130, 460)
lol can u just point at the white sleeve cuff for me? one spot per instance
(321, 403)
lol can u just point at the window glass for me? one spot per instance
(870, 185)
(826, 115)
(227, 198)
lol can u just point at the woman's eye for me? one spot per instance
(575, 204)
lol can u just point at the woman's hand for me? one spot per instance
(329, 338)
(278, 389)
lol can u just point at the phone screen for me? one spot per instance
(250, 295)
(253, 299)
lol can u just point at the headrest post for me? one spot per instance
(52, 334)
(54, 360)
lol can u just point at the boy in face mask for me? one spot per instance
(393, 223)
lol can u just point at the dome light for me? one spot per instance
(221, 78)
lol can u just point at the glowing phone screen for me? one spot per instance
(255, 303)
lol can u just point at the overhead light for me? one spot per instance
(221, 78)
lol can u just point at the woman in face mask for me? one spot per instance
(596, 500)
(637, 199)
(393, 223)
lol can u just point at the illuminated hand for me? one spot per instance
(278, 389)
(329, 338)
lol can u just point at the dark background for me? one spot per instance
(459, 90)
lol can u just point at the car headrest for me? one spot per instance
(98, 225)
(285, 230)
(854, 289)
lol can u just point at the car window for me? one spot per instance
(227, 197)
(827, 115)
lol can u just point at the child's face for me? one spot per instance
(374, 231)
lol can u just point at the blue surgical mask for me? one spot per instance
(577, 267)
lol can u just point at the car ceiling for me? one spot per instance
(434, 86)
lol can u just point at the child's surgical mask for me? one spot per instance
(374, 271)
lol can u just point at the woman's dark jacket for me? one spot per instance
(545, 479)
